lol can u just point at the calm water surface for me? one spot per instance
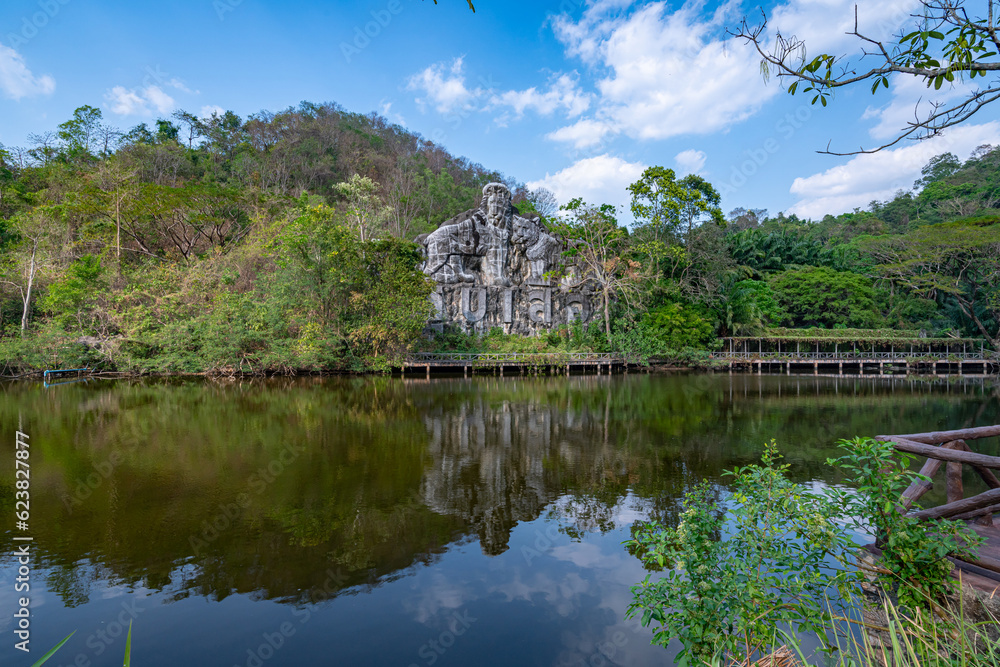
(381, 521)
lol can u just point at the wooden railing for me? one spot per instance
(852, 355)
(511, 358)
(950, 448)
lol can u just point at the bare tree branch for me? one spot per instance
(950, 44)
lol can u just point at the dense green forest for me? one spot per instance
(282, 242)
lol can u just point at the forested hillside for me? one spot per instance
(283, 242)
(277, 241)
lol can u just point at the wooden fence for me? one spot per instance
(949, 448)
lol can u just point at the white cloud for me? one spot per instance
(584, 133)
(179, 85)
(385, 109)
(689, 162)
(125, 102)
(670, 73)
(824, 24)
(137, 101)
(563, 93)
(911, 99)
(159, 99)
(598, 180)
(444, 87)
(871, 176)
(17, 81)
(209, 109)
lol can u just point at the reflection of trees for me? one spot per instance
(393, 471)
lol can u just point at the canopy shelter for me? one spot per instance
(816, 344)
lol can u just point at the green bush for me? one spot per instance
(780, 555)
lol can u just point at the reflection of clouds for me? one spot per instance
(585, 555)
(563, 594)
(437, 597)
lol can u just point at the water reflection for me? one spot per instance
(363, 504)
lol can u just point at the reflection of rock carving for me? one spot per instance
(491, 266)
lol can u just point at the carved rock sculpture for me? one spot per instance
(493, 268)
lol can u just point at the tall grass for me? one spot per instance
(944, 638)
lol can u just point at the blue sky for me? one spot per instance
(577, 96)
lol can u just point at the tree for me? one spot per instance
(656, 202)
(668, 208)
(748, 307)
(193, 126)
(6, 173)
(368, 296)
(818, 296)
(139, 134)
(32, 254)
(365, 208)
(544, 202)
(81, 135)
(470, 5)
(746, 218)
(944, 41)
(166, 132)
(598, 248)
(699, 202)
(72, 299)
(939, 167)
(957, 261)
(118, 183)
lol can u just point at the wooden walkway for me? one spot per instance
(497, 363)
(881, 364)
(949, 449)
(891, 356)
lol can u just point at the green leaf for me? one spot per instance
(128, 647)
(55, 648)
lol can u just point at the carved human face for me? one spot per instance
(496, 201)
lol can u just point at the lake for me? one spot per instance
(382, 521)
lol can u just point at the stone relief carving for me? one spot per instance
(492, 266)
